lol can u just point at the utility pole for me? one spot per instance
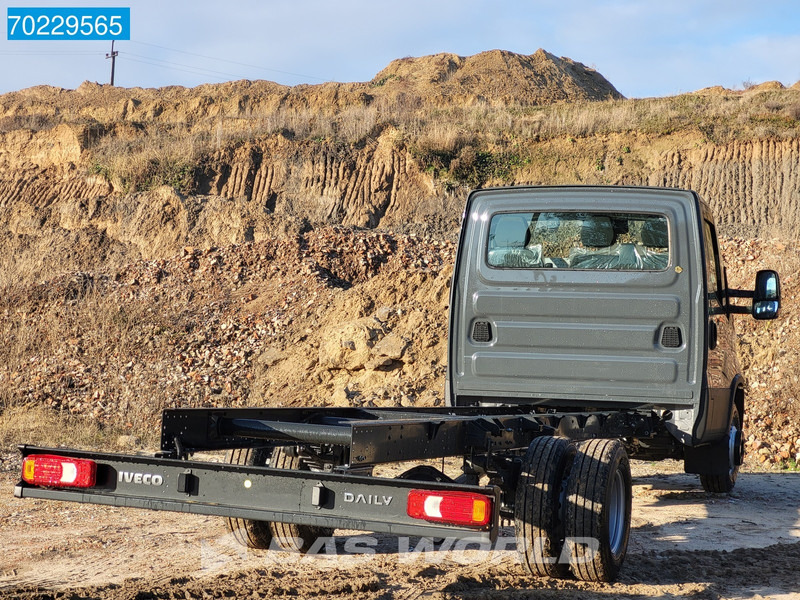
(113, 57)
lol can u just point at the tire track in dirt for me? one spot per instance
(684, 543)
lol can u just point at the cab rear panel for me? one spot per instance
(580, 298)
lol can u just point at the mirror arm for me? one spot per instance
(733, 309)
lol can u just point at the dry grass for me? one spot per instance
(161, 153)
(156, 156)
(74, 345)
(38, 426)
(50, 338)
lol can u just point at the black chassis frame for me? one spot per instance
(339, 446)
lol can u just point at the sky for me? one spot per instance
(645, 48)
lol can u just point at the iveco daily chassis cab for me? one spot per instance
(587, 325)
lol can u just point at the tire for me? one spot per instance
(539, 505)
(249, 533)
(290, 536)
(724, 484)
(598, 515)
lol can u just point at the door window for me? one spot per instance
(712, 262)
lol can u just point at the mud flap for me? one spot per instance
(710, 459)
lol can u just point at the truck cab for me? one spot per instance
(604, 298)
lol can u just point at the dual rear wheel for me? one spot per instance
(573, 508)
(264, 534)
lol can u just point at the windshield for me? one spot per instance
(578, 240)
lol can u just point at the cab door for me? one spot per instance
(721, 363)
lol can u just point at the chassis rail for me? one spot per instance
(375, 436)
(343, 444)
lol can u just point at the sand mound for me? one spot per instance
(497, 76)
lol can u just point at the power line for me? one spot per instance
(164, 64)
(173, 67)
(148, 60)
(233, 62)
(169, 64)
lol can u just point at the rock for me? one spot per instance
(271, 357)
(349, 346)
(381, 362)
(340, 397)
(384, 314)
(391, 346)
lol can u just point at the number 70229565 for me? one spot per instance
(104, 23)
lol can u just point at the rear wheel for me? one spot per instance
(253, 534)
(290, 536)
(723, 484)
(539, 505)
(598, 515)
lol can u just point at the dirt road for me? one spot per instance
(684, 543)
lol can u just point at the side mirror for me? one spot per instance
(767, 295)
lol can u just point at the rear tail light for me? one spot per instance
(59, 471)
(456, 508)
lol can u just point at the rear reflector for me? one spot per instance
(59, 471)
(456, 508)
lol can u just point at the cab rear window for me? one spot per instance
(578, 240)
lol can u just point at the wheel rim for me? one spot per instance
(616, 514)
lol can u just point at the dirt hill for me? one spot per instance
(497, 77)
(103, 175)
(79, 169)
(249, 243)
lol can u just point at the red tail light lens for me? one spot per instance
(59, 471)
(456, 508)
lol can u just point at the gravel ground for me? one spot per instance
(341, 317)
(684, 543)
